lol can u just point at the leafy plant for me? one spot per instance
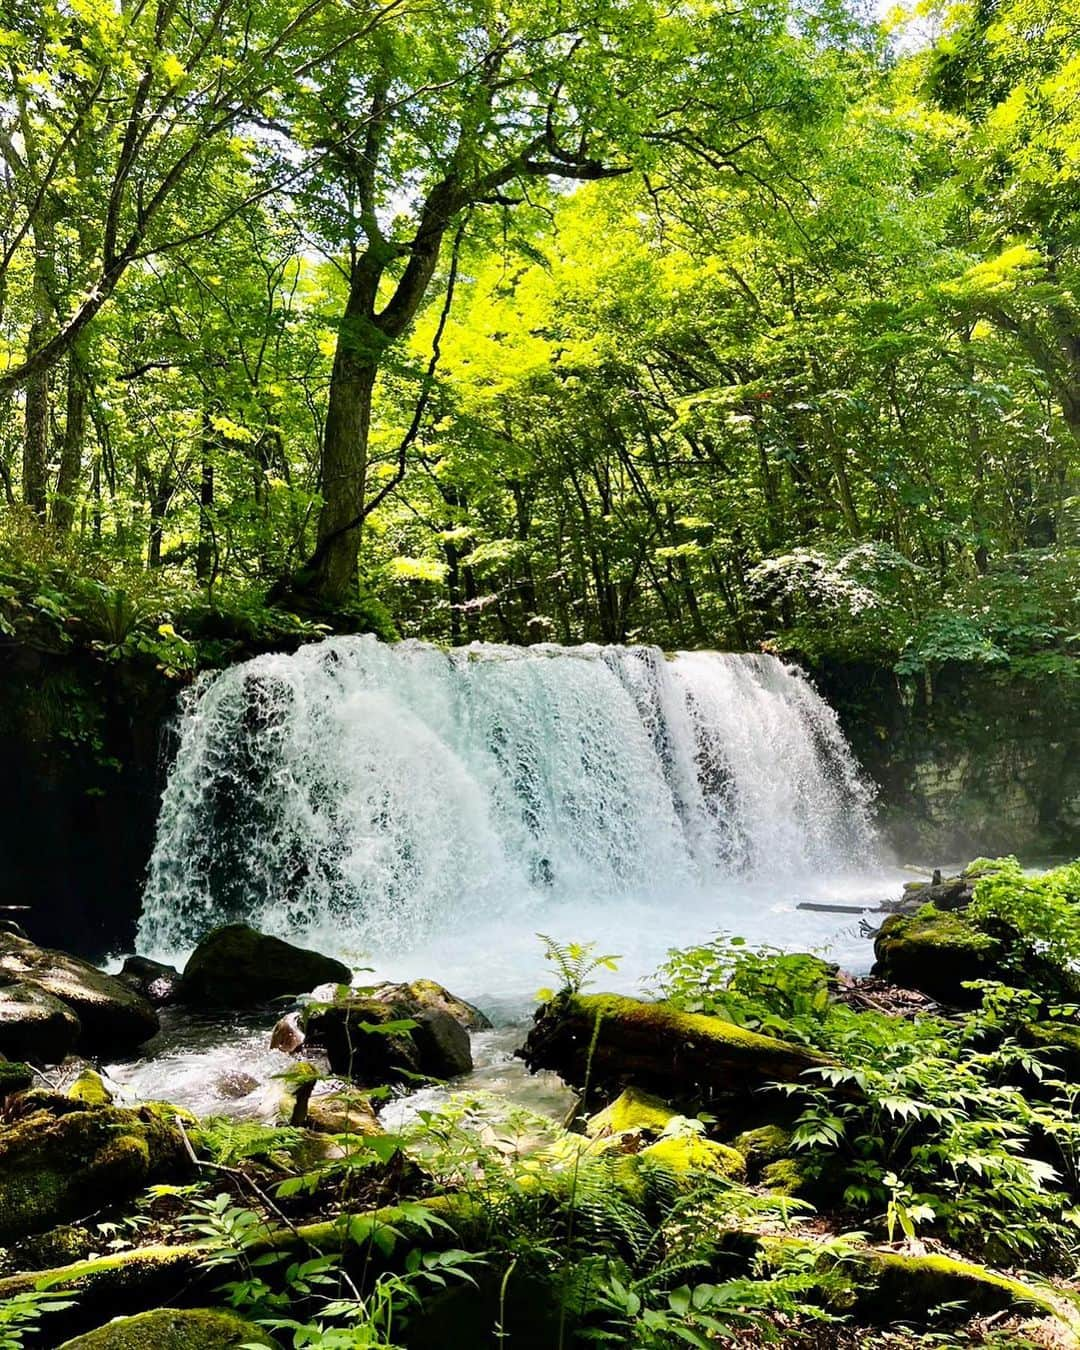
(575, 963)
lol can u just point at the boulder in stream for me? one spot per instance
(375, 1042)
(158, 983)
(34, 1025)
(238, 967)
(427, 996)
(113, 1019)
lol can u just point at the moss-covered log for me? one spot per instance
(148, 1277)
(606, 1042)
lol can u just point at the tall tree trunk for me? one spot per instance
(71, 450)
(36, 435)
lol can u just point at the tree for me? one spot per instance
(462, 107)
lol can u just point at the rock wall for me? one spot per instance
(80, 745)
(969, 762)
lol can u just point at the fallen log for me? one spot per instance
(147, 1277)
(606, 1042)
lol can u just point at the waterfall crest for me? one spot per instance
(367, 795)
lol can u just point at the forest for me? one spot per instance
(565, 323)
(580, 493)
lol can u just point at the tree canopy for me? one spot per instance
(715, 325)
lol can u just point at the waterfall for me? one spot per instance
(368, 796)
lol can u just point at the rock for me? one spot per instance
(34, 1025)
(764, 1145)
(427, 996)
(632, 1112)
(90, 1089)
(61, 1159)
(287, 1035)
(173, 1329)
(157, 983)
(787, 1176)
(349, 1030)
(238, 967)
(113, 1018)
(342, 1113)
(235, 1083)
(353, 1033)
(1060, 1041)
(15, 929)
(443, 1044)
(685, 1154)
(657, 1048)
(950, 893)
(935, 952)
(893, 1287)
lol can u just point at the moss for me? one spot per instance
(89, 1088)
(632, 1112)
(935, 951)
(687, 1153)
(173, 1329)
(14, 1078)
(610, 1041)
(892, 1285)
(1061, 1041)
(59, 1159)
(766, 1144)
(786, 1176)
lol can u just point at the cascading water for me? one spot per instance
(372, 798)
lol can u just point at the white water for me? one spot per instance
(425, 812)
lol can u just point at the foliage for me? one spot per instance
(927, 1125)
(575, 963)
(21, 1315)
(819, 388)
(783, 994)
(1041, 913)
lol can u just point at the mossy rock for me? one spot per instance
(58, 1247)
(787, 1176)
(936, 952)
(60, 1159)
(685, 1154)
(437, 1046)
(428, 996)
(632, 1112)
(236, 966)
(1060, 1041)
(610, 1041)
(892, 1286)
(173, 1329)
(90, 1088)
(342, 1113)
(35, 1025)
(14, 1077)
(763, 1145)
(112, 1018)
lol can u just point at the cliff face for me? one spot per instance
(970, 762)
(81, 744)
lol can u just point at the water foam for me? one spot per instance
(374, 799)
